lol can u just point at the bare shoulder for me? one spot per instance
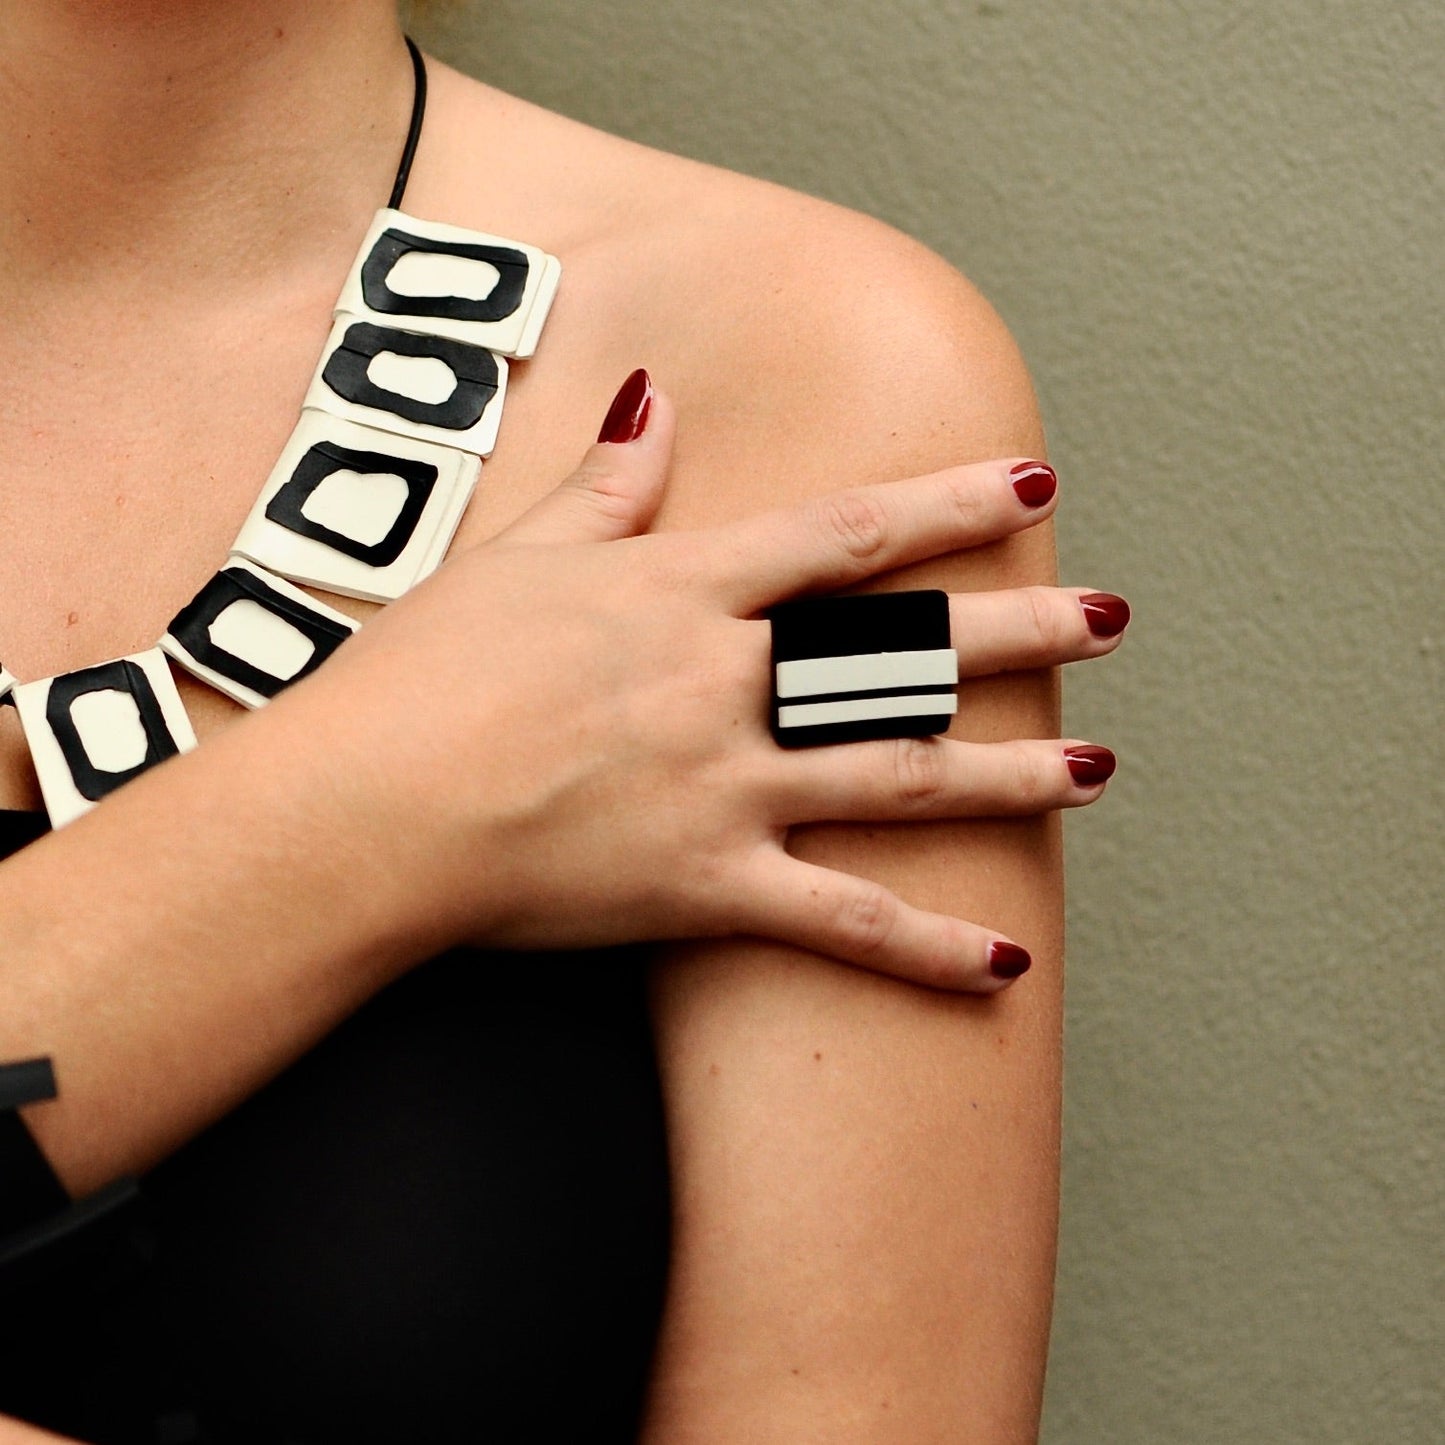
(781, 323)
(856, 353)
(848, 350)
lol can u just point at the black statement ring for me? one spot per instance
(851, 669)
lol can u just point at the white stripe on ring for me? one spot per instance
(864, 709)
(867, 672)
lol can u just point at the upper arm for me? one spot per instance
(865, 1172)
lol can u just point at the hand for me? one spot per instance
(573, 718)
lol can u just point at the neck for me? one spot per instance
(205, 138)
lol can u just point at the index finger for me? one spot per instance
(846, 537)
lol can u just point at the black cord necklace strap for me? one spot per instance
(413, 132)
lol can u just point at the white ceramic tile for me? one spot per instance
(119, 719)
(496, 293)
(249, 633)
(340, 511)
(433, 388)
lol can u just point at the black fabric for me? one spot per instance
(27, 1081)
(448, 1222)
(29, 1190)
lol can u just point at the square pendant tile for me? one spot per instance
(250, 633)
(434, 388)
(92, 731)
(449, 281)
(358, 511)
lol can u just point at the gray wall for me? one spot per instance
(1216, 228)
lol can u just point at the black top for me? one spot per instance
(448, 1222)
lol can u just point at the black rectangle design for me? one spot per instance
(475, 369)
(192, 629)
(512, 267)
(94, 783)
(324, 460)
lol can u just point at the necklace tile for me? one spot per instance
(364, 501)
(357, 511)
(250, 634)
(434, 388)
(93, 730)
(450, 281)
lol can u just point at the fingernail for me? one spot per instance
(627, 416)
(1090, 765)
(1035, 483)
(1106, 614)
(1008, 960)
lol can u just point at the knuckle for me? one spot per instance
(603, 494)
(1031, 781)
(749, 661)
(1045, 619)
(855, 522)
(919, 773)
(966, 501)
(870, 915)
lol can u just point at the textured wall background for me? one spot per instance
(1218, 230)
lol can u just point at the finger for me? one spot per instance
(618, 488)
(861, 922)
(845, 537)
(1034, 627)
(916, 778)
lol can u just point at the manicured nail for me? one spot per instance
(627, 416)
(1008, 960)
(1035, 483)
(1106, 614)
(1090, 765)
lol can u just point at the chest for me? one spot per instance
(133, 455)
(137, 438)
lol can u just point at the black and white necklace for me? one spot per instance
(363, 501)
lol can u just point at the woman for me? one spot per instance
(554, 743)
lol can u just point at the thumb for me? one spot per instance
(618, 487)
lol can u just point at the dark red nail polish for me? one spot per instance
(1090, 765)
(1008, 960)
(1035, 483)
(627, 416)
(1106, 614)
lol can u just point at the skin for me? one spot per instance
(865, 1170)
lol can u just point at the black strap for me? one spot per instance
(29, 1190)
(413, 133)
(40, 1227)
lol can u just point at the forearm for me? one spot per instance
(177, 947)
